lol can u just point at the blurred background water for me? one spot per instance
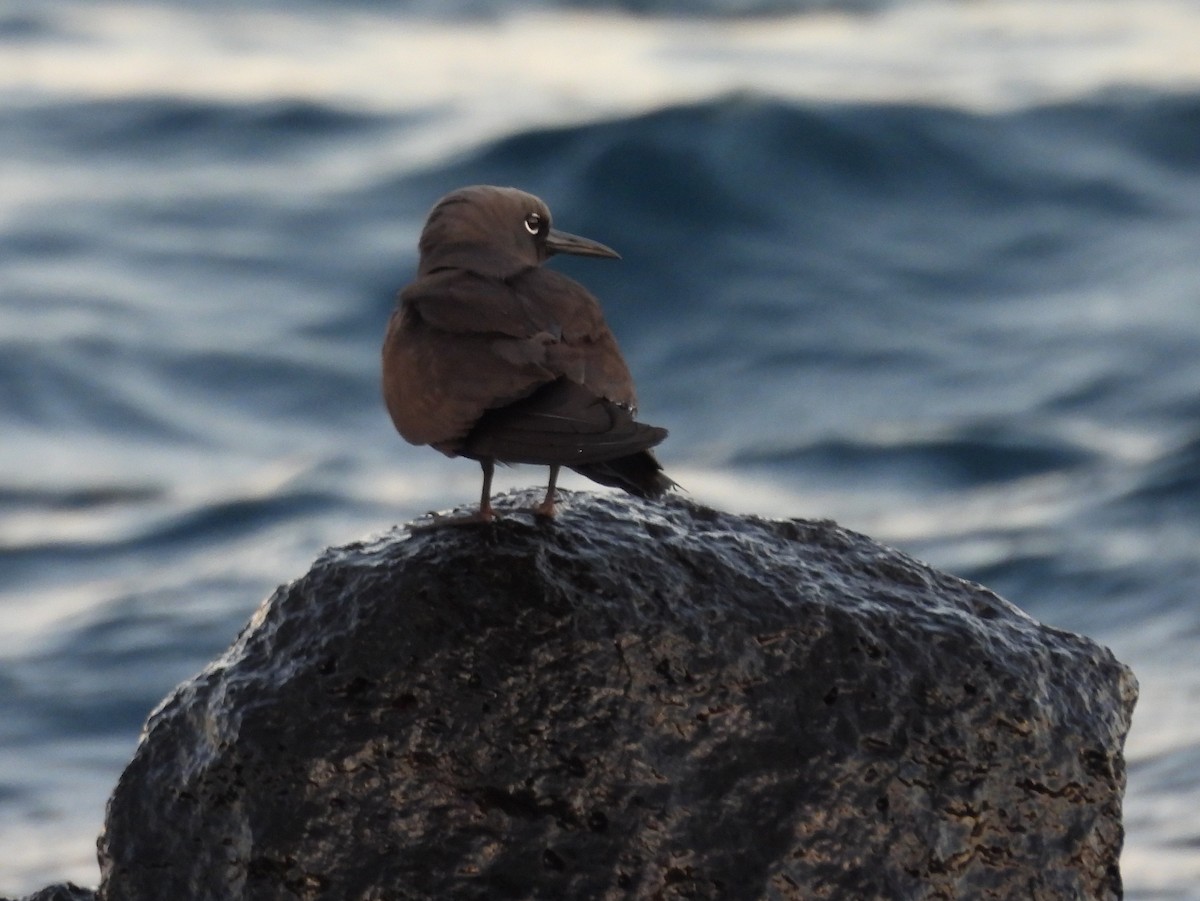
(929, 268)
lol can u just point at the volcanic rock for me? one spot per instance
(62, 891)
(649, 701)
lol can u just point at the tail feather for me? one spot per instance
(640, 474)
(565, 424)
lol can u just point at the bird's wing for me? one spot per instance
(586, 351)
(461, 344)
(443, 367)
(460, 302)
(562, 423)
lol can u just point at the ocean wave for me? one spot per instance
(495, 67)
(1172, 482)
(975, 327)
(748, 157)
(963, 460)
(181, 127)
(489, 9)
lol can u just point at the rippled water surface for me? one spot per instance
(928, 269)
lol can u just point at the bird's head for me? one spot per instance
(496, 231)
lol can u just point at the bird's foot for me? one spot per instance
(545, 510)
(480, 517)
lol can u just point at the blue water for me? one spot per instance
(951, 303)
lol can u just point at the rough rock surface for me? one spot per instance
(63, 891)
(650, 701)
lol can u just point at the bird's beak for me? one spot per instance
(564, 242)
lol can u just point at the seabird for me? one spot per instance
(489, 355)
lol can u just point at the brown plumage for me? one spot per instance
(493, 357)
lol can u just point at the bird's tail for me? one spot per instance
(639, 474)
(565, 424)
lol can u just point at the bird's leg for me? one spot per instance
(546, 507)
(485, 498)
(483, 515)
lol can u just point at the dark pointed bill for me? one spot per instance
(564, 242)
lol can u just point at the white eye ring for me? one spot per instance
(533, 223)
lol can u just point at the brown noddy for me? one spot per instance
(491, 356)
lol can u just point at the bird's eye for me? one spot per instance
(533, 223)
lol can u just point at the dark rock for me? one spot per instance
(63, 891)
(635, 701)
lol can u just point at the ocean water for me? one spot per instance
(931, 269)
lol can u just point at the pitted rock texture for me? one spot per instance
(63, 891)
(650, 701)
